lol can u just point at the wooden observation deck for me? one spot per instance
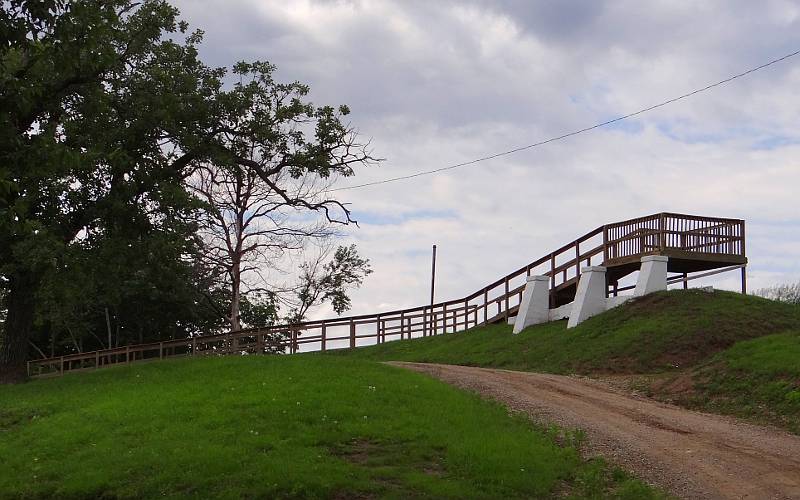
(696, 246)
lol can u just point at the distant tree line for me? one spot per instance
(142, 197)
(789, 293)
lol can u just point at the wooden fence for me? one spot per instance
(494, 302)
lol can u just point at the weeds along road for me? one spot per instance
(690, 454)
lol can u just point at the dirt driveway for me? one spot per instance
(691, 454)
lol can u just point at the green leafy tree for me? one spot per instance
(98, 113)
(104, 115)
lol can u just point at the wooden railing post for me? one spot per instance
(506, 288)
(424, 321)
(194, 346)
(160, 350)
(96, 359)
(61, 367)
(378, 329)
(485, 306)
(324, 334)
(127, 354)
(352, 334)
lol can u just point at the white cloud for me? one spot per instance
(437, 83)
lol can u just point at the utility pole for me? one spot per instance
(433, 273)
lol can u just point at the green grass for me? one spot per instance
(757, 379)
(281, 427)
(667, 331)
(721, 352)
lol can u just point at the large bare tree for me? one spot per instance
(267, 194)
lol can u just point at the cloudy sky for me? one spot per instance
(434, 83)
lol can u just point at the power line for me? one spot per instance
(573, 133)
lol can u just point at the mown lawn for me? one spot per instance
(281, 427)
(666, 331)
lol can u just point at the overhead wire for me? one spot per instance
(574, 132)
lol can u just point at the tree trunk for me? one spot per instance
(19, 322)
(236, 297)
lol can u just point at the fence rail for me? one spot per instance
(607, 244)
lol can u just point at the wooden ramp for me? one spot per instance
(696, 246)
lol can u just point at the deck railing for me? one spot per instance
(494, 302)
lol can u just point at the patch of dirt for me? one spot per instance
(367, 453)
(690, 454)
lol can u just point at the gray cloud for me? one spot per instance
(436, 83)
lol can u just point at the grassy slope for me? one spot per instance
(703, 336)
(757, 379)
(660, 332)
(299, 427)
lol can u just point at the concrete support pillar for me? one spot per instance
(652, 275)
(590, 298)
(535, 305)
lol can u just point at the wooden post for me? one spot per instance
(28, 368)
(485, 306)
(744, 269)
(160, 350)
(378, 329)
(402, 327)
(744, 280)
(506, 288)
(61, 367)
(96, 359)
(324, 340)
(194, 346)
(577, 260)
(352, 334)
(685, 282)
(127, 354)
(433, 273)
(424, 322)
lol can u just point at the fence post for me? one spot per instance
(352, 334)
(97, 359)
(194, 346)
(127, 354)
(61, 367)
(28, 368)
(506, 287)
(324, 340)
(378, 329)
(424, 321)
(485, 306)
(160, 350)
(402, 327)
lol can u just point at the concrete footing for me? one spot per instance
(652, 275)
(590, 298)
(535, 305)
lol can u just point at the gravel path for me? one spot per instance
(690, 454)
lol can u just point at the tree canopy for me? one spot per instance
(106, 114)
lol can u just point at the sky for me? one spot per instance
(433, 83)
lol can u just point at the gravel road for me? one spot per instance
(690, 454)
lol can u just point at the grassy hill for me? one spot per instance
(718, 351)
(281, 427)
